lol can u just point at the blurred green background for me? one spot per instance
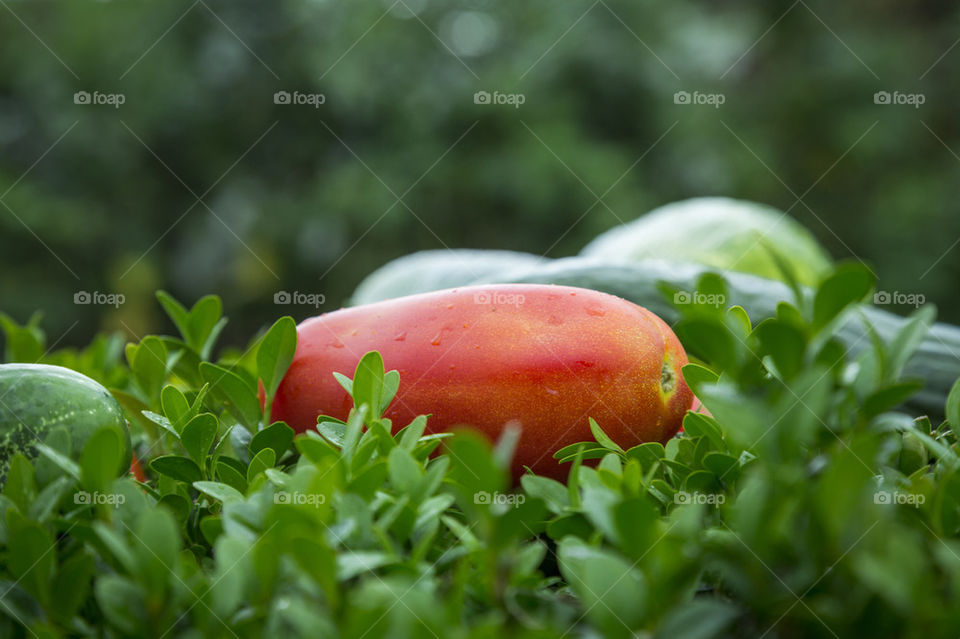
(200, 182)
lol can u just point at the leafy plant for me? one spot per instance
(806, 503)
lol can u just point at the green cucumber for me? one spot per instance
(435, 270)
(36, 398)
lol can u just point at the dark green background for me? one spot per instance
(99, 199)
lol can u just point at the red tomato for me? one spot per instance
(545, 356)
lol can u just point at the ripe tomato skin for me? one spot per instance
(545, 356)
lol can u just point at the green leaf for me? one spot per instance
(890, 397)
(695, 375)
(211, 527)
(908, 339)
(176, 311)
(472, 466)
(277, 436)
(725, 467)
(316, 449)
(368, 381)
(710, 340)
(405, 473)
(175, 407)
(231, 389)
(198, 436)
(345, 382)
(391, 384)
(409, 435)
(216, 490)
(275, 354)
(122, 603)
(552, 492)
(31, 558)
(205, 324)
(21, 485)
(72, 584)
(23, 343)
(232, 477)
(648, 454)
(263, 460)
(180, 468)
(62, 461)
(698, 619)
(602, 438)
(700, 425)
(162, 422)
(47, 500)
(953, 408)
(101, 459)
(613, 593)
(786, 268)
(850, 282)
(149, 366)
(784, 343)
(155, 544)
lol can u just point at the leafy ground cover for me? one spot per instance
(808, 504)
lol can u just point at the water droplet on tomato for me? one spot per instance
(400, 336)
(595, 311)
(436, 339)
(335, 343)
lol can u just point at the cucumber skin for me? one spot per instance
(36, 398)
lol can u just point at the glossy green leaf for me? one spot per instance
(275, 353)
(180, 468)
(229, 388)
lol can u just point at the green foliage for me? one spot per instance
(807, 503)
